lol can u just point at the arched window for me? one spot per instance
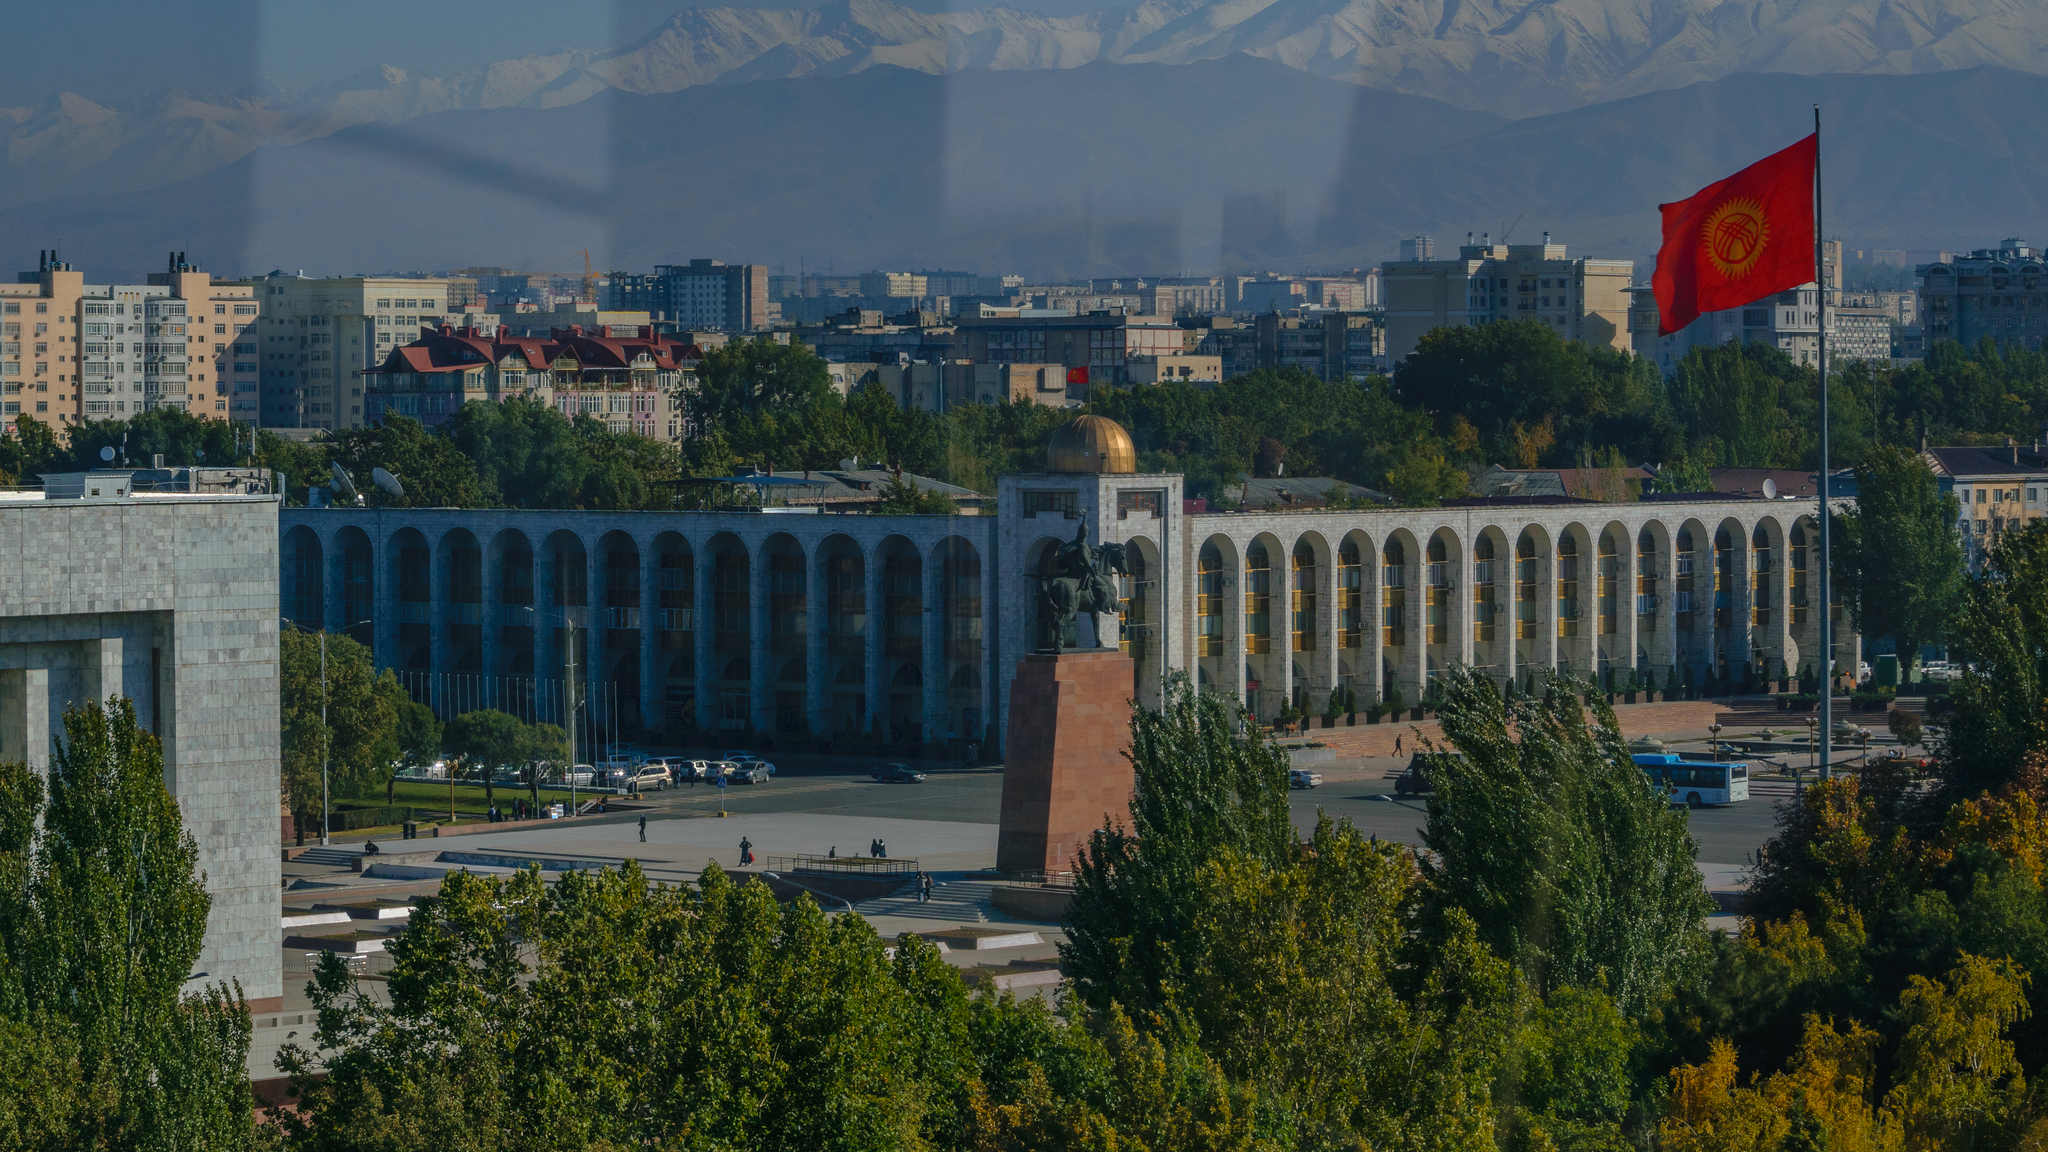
(1482, 589)
(1258, 599)
(1301, 609)
(1350, 595)
(1393, 593)
(1209, 601)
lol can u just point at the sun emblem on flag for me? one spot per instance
(1736, 234)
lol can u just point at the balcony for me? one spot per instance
(412, 612)
(622, 617)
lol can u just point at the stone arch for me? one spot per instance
(845, 611)
(1614, 652)
(789, 599)
(1802, 553)
(1534, 611)
(1492, 603)
(849, 697)
(1575, 565)
(901, 570)
(1263, 584)
(1692, 565)
(1771, 644)
(958, 565)
(459, 574)
(355, 584)
(1355, 586)
(1443, 558)
(1401, 557)
(1730, 551)
(1215, 619)
(1311, 584)
(673, 603)
(1141, 617)
(732, 628)
(304, 595)
(411, 569)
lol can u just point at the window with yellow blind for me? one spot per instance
(1437, 593)
(1258, 600)
(1350, 596)
(1482, 589)
(1567, 586)
(1526, 624)
(1608, 590)
(1646, 582)
(1760, 577)
(1393, 593)
(1301, 608)
(1798, 573)
(1209, 601)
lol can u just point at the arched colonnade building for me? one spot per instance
(912, 625)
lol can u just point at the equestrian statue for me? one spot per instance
(1079, 582)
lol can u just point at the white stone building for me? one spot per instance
(911, 625)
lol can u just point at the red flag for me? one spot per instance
(1738, 240)
(1077, 375)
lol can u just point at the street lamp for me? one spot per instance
(1813, 741)
(326, 735)
(1714, 732)
(568, 688)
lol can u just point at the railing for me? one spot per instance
(461, 613)
(412, 612)
(1440, 574)
(675, 619)
(845, 865)
(1646, 603)
(622, 617)
(1684, 603)
(1482, 572)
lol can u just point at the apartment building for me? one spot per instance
(1100, 342)
(1998, 489)
(699, 294)
(1582, 298)
(315, 336)
(1183, 296)
(1993, 292)
(632, 379)
(75, 351)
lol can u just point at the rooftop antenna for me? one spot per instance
(387, 482)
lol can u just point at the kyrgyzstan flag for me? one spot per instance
(1738, 240)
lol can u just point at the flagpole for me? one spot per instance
(1827, 629)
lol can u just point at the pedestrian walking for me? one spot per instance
(924, 888)
(882, 849)
(833, 854)
(1397, 745)
(746, 851)
(643, 829)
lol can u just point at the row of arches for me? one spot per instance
(827, 636)
(1289, 621)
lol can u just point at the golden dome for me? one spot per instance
(1091, 444)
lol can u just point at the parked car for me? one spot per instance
(653, 775)
(748, 774)
(898, 773)
(582, 775)
(1303, 778)
(750, 758)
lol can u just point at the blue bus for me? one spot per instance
(1695, 782)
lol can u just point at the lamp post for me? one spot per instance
(326, 734)
(568, 689)
(1714, 731)
(1812, 741)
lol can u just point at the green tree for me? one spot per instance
(181, 438)
(432, 469)
(902, 496)
(1202, 789)
(1546, 833)
(485, 741)
(1900, 563)
(758, 377)
(1684, 474)
(1425, 478)
(357, 735)
(100, 924)
(2001, 634)
(30, 451)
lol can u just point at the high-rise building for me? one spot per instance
(1993, 292)
(1580, 298)
(876, 284)
(706, 294)
(75, 351)
(1420, 248)
(314, 337)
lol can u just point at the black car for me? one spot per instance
(898, 774)
(1418, 779)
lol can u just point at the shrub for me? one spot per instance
(1905, 726)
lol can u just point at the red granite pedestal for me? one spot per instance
(1064, 768)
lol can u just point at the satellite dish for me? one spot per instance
(1770, 488)
(387, 482)
(343, 484)
(107, 453)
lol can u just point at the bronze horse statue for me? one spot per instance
(1080, 582)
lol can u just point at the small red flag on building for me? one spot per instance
(1077, 375)
(1738, 240)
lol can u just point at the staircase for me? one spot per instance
(953, 902)
(332, 856)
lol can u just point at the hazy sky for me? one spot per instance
(123, 48)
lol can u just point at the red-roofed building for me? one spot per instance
(632, 379)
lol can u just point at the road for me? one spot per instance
(1728, 835)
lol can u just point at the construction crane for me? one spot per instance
(589, 281)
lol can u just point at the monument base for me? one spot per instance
(1064, 768)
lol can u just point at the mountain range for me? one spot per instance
(1104, 169)
(1512, 58)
